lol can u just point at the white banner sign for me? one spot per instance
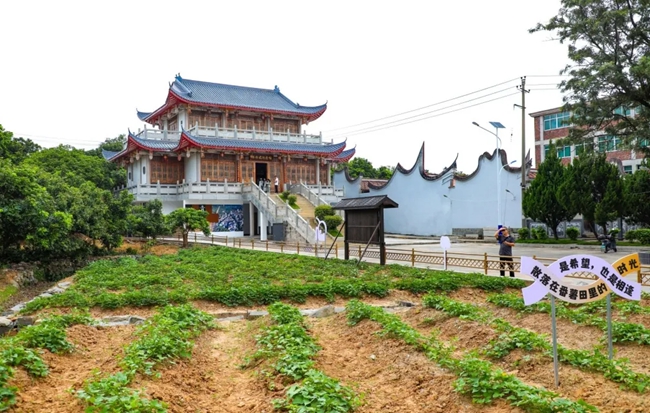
(551, 279)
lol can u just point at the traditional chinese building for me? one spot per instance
(210, 145)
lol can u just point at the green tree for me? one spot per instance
(594, 189)
(637, 197)
(187, 220)
(608, 87)
(385, 172)
(31, 225)
(76, 167)
(148, 219)
(361, 166)
(15, 149)
(541, 200)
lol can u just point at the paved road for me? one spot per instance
(529, 250)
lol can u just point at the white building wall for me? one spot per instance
(192, 168)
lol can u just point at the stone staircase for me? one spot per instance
(307, 211)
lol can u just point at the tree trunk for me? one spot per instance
(554, 228)
(185, 234)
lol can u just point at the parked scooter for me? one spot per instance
(607, 242)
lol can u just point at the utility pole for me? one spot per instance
(523, 90)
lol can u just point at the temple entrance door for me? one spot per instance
(261, 171)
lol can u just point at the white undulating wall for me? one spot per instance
(424, 209)
(350, 189)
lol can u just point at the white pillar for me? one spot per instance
(263, 224)
(251, 218)
(329, 174)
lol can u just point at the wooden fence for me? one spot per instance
(480, 262)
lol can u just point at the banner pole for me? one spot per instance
(554, 328)
(610, 347)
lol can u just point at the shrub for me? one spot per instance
(292, 199)
(613, 232)
(641, 235)
(284, 195)
(524, 233)
(540, 233)
(573, 233)
(333, 221)
(323, 211)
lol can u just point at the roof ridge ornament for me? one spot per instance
(276, 89)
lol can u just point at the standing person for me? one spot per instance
(506, 242)
(277, 183)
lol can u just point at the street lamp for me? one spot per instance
(497, 126)
(503, 216)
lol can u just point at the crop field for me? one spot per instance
(402, 340)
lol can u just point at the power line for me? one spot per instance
(423, 107)
(422, 114)
(378, 128)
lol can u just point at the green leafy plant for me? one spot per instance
(323, 211)
(162, 338)
(573, 233)
(111, 394)
(291, 350)
(524, 233)
(318, 393)
(333, 221)
(476, 378)
(165, 336)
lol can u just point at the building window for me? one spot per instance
(643, 143)
(144, 170)
(623, 111)
(627, 169)
(564, 152)
(556, 120)
(608, 143)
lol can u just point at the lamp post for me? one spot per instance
(497, 126)
(503, 216)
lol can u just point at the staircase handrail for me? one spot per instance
(281, 213)
(310, 195)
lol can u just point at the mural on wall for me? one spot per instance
(224, 218)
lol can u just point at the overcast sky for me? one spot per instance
(75, 72)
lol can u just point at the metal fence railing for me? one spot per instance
(484, 263)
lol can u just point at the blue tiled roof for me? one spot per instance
(239, 96)
(155, 144)
(346, 154)
(143, 115)
(109, 154)
(268, 145)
